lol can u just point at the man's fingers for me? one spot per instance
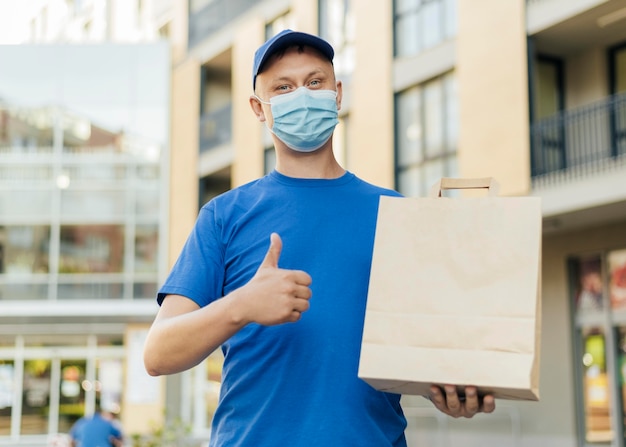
(472, 403)
(489, 404)
(273, 253)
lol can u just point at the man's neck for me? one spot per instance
(317, 164)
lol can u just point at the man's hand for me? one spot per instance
(449, 402)
(275, 295)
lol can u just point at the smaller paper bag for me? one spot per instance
(454, 294)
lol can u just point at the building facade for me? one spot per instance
(529, 92)
(84, 155)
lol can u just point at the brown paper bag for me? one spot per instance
(454, 294)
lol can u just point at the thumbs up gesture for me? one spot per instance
(274, 295)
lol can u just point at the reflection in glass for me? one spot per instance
(589, 296)
(92, 249)
(71, 393)
(146, 248)
(596, 387)
(24, 249)
(35, 397)
(617, 279)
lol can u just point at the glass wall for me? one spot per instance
(426, 134)
(47, 382)
(82, 152)
(599, 315)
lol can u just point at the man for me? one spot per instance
(98, 430)
(289, 317)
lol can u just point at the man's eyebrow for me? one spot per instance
(314, 72)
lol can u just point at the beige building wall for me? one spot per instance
(183, 154)
(371, 124)
(247, 130)
(493, 93)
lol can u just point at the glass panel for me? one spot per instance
(433, 171)
(451, 119)
(103, 204)
(146, 248)
(338, 27)
(72, 393)
(25, 203)
(409, 127)
(147, 202)
(589, 295)
(145, 290)
(410, 182)
(620, 71)
(596, 387)
(6, 395)
(547, 98)
(432, 22)
(91, 249)
(36, 397)
(269, 159)
(23, 291)
(433, 118)
(407, 39)
(90, 291)
(24, 249)
(617, 279)
(110, 384)
(450, 18)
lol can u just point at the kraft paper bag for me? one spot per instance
(454, 293)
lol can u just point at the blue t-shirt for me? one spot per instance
(94, 431)
(293, 384)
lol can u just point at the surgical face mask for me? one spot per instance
(304, 119)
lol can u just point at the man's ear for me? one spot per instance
(339, 94)
(257, 108)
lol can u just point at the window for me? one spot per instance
(422, 24)
(280, 23)
(426, 135)
(599, 314)
(548, 133)
(337, 26)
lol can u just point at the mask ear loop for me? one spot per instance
(261, 101)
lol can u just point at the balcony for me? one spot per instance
(215, 128)
(579, 142)
(214, 16)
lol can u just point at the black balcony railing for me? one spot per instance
(215, 128)
(580, 139)
(214, 16)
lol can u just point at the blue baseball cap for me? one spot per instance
(285, 39)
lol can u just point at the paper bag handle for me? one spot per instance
(465, 183)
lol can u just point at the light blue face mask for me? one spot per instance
(304, 119)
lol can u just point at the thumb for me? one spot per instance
(273, 253)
